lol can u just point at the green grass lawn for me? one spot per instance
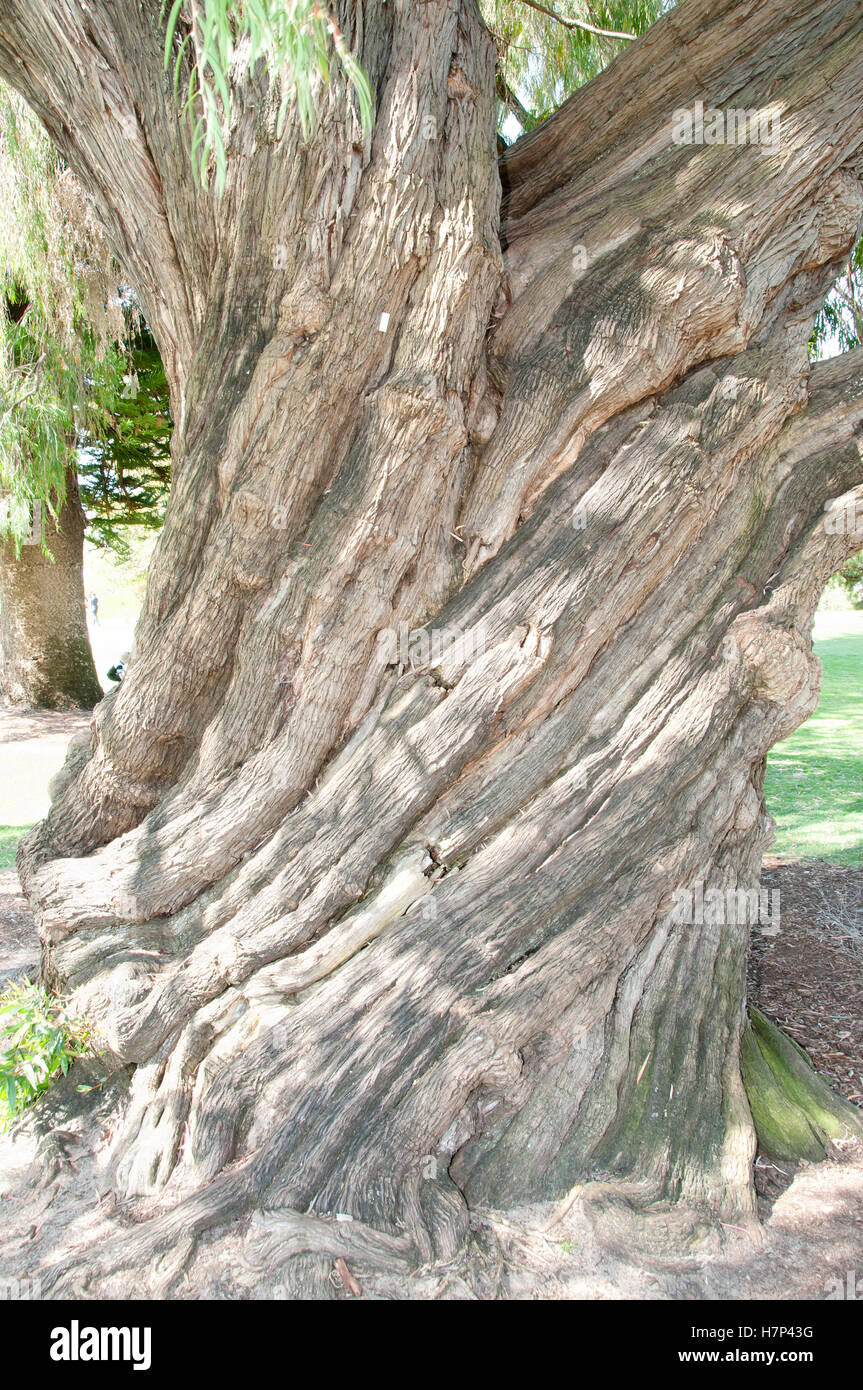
(9, 837)
(26, 767)
(814, 784)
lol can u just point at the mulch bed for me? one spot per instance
(809, 978)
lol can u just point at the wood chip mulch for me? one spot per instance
(809, 978)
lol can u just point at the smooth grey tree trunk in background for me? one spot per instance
(45, 656)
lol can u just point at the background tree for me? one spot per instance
(124, 468)
(361, 914)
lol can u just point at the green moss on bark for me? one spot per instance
(795, 1112)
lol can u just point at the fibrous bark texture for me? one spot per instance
(45, 656)
(385, 938)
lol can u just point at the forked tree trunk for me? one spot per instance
(45, 656)
(346, 915)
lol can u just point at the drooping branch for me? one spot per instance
(849, 300)
(569, 23)
(820, 455)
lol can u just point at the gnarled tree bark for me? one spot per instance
(344, 915)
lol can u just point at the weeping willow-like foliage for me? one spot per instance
(839, 326)
(58, 319)
(208, 41)
(548, 48)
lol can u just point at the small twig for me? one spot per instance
(348, 1280)
(643, 1065)
(569, 1200)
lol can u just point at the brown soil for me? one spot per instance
(19, 948)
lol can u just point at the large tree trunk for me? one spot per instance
(45, 656)
(346, 912)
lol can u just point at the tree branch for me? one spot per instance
(578, 23)
(853, 307)
(509, 98)
(830, 426)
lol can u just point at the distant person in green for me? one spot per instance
(118, 671)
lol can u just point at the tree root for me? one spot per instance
(797, 1116)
